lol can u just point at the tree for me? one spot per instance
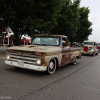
(73, 22)
(3, 30)
(30, 16)
(63, 19)
(67, 22)
(46, 16)
(84, 28)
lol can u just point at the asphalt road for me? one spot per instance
(70, 82)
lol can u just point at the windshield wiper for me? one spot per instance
(45, 44)
(42, 44)
(35, 44)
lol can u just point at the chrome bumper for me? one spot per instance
(26, 66)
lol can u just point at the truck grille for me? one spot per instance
(23, 52)
(85, 49)
(24, 59)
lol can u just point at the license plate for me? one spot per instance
(20, 63)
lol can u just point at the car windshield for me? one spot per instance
(97, 44)
(47, 41)
(88, 43)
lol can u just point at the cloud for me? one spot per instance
(94, 17)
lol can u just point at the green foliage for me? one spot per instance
(68, 21)
(46, 16)
(84, 29)
(73, 22)
(30, 16)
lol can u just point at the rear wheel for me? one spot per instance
(97, 53)
(52, 66)
(75, 61)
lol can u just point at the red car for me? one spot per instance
(98, 46)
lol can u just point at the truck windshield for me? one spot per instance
(88, 43)
(48, 41)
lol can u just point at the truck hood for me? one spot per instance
(37, 48)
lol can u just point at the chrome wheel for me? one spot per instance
(52, 66)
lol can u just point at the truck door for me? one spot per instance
(66, 52)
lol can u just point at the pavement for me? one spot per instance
(3, 48)
(3, 52)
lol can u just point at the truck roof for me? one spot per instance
(53, 35)
(89, 41)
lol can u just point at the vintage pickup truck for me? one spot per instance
(46, 53)
(89, 47)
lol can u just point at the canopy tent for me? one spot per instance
(6, 41)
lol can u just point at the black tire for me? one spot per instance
(75, 61)
(51, 67)
(18, 68)
(93, 54)
(97, 53)
(82, 54)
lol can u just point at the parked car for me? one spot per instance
(75, 44)
(98, 46)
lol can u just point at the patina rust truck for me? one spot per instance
(46, 53)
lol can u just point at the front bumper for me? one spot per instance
(87, 52)
(26, 66)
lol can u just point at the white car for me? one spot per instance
(89, 47)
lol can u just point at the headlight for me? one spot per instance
(8, 57)
(39, 61)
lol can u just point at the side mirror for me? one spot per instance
(66, 43)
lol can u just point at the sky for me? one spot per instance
(94, 17)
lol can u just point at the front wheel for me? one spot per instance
(52, 66)
(93, 54)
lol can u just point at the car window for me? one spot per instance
(97, 44)
(63, 41)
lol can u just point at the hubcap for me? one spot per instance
(75, 61)
(51, 65)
